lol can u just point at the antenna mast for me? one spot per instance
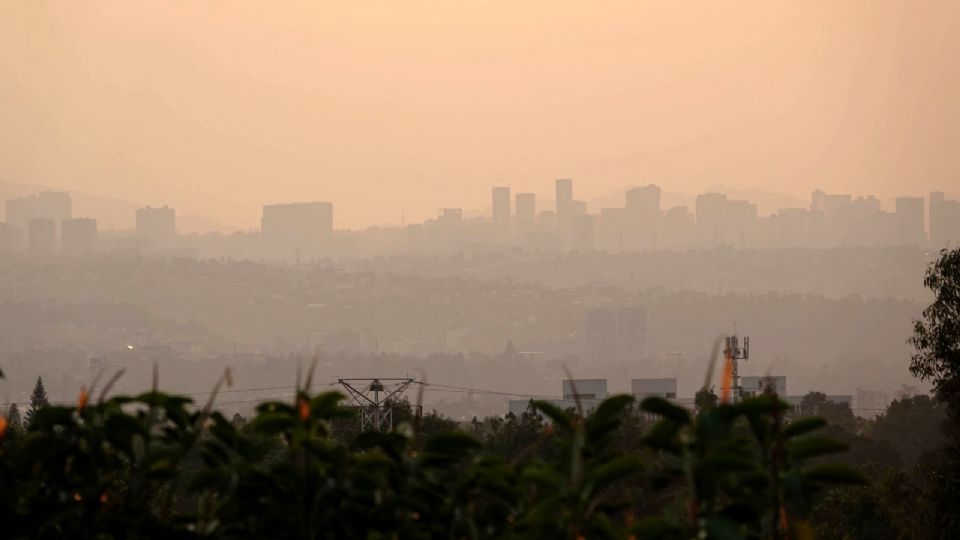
(732, 354)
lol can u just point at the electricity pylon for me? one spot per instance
(374, 399)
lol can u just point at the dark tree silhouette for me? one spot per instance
(706, 398)
(912, 426)
(14, 421)
(837, 414)
(38, 399)
(936, 335)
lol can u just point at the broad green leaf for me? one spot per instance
(804, 426)
(272, 423)
(663, 408)
(557, 415)
(808, 447)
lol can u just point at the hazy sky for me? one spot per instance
(395, 106)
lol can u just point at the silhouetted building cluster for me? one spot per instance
(642, 224)
(43, 225)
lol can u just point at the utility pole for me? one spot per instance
(376, 412)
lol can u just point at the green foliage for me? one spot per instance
(706, 398)
(96, 471)
(837, 414)
(912, 426)
(14, 421)
(38, 399)
(937, 334)
(154, 466)
(746, 473)
(937, 359)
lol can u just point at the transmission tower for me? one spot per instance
(732, 354)
(373, 397)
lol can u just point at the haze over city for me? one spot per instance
(480, 269)
(396, 109)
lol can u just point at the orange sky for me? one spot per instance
(395, 106)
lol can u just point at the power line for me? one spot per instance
(467, 390)
(433, 387)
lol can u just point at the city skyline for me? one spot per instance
(117, 214)
(155, 106)
(46, 224)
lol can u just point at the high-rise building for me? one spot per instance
(678, 229)
(450, 217)
(501, 212)
(616, 334)
(564, 200)
(740, 225)
(643, 216)
(910, 221)
(578, 208)
(644, 200)
(610, 230)
(159, 225)
(944, 221)
(42, 236)
(791, 227)
(526, 212)
(78, 236)
(818, 201)
(710, 220)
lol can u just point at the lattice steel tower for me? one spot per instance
(374, 398)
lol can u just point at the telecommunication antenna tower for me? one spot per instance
(732, 354)
(373, 397)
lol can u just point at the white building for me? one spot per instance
(644, 388)
(584, 389)
(755, 385)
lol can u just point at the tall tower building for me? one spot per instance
(910, 226)
(644, 201)
(501, 212)
(564, 199)
(56, 206)
(937, 229)
(944, 221)
(158, 225)
(526, 211)
(817, 201)
(642, 212)
(710, 220)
